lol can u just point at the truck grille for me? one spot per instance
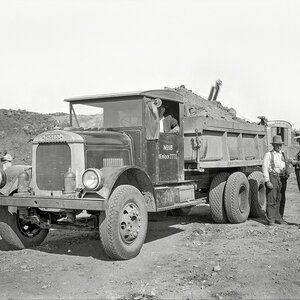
(113, 162)
(97, 158)
(52, 162)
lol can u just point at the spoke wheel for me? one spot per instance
(27, 229)
(17, 233)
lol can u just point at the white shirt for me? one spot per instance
(161, 124)
(7, 158)
(279, 164)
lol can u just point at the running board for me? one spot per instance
(171, 197)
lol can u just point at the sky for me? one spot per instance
(56, 49)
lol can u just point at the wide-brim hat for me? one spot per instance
(277, 139)
(297, 135)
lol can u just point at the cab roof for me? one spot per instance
(163, 94)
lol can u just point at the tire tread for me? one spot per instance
(216, 198)
(255, 179)
(234, 182)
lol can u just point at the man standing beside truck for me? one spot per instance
(6, 160)
(276, 173)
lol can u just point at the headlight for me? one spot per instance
(2, 178)
(92, 179)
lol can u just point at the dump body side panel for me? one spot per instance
(223, 144)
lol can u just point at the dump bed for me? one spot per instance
(221, 144)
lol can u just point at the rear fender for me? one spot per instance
(135, 176)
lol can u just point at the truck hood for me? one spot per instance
(103, 137)
(113, 138)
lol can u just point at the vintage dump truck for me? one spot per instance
(111, 176)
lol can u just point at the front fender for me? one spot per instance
(134, 176)
(12, 178)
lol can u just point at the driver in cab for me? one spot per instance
(167, 122)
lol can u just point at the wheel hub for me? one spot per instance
(130, 223)
(27, 229)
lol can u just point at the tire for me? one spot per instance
(126, 208)
(16, 233)
(216, 198)
(2, 178)
(257, 194)
(297, 172)
(236, 197)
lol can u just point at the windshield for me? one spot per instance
(114, 114)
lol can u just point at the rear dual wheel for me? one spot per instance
(257, 194)
(216, 198)
(236, 198)
(229, 198)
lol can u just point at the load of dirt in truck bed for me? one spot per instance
(198, 106)
(19, 127)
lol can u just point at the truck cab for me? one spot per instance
(135, 115)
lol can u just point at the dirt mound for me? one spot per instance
(18, 128)
(198, 106)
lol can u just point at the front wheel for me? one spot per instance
(17, 233)
(124, 228)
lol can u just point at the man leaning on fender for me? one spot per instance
(276, 173)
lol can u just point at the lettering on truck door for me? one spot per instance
(168, 157)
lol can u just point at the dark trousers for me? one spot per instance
(275, 198)
(282, 192)
(297, 172)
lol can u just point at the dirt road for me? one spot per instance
(183, 258)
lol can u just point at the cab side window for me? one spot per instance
(169, 116)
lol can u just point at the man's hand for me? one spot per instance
(269, 185)
(292, 161)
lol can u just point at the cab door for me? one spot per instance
(169, 157)
(164, 151)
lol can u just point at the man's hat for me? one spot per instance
(297, 135)
(277, 140)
